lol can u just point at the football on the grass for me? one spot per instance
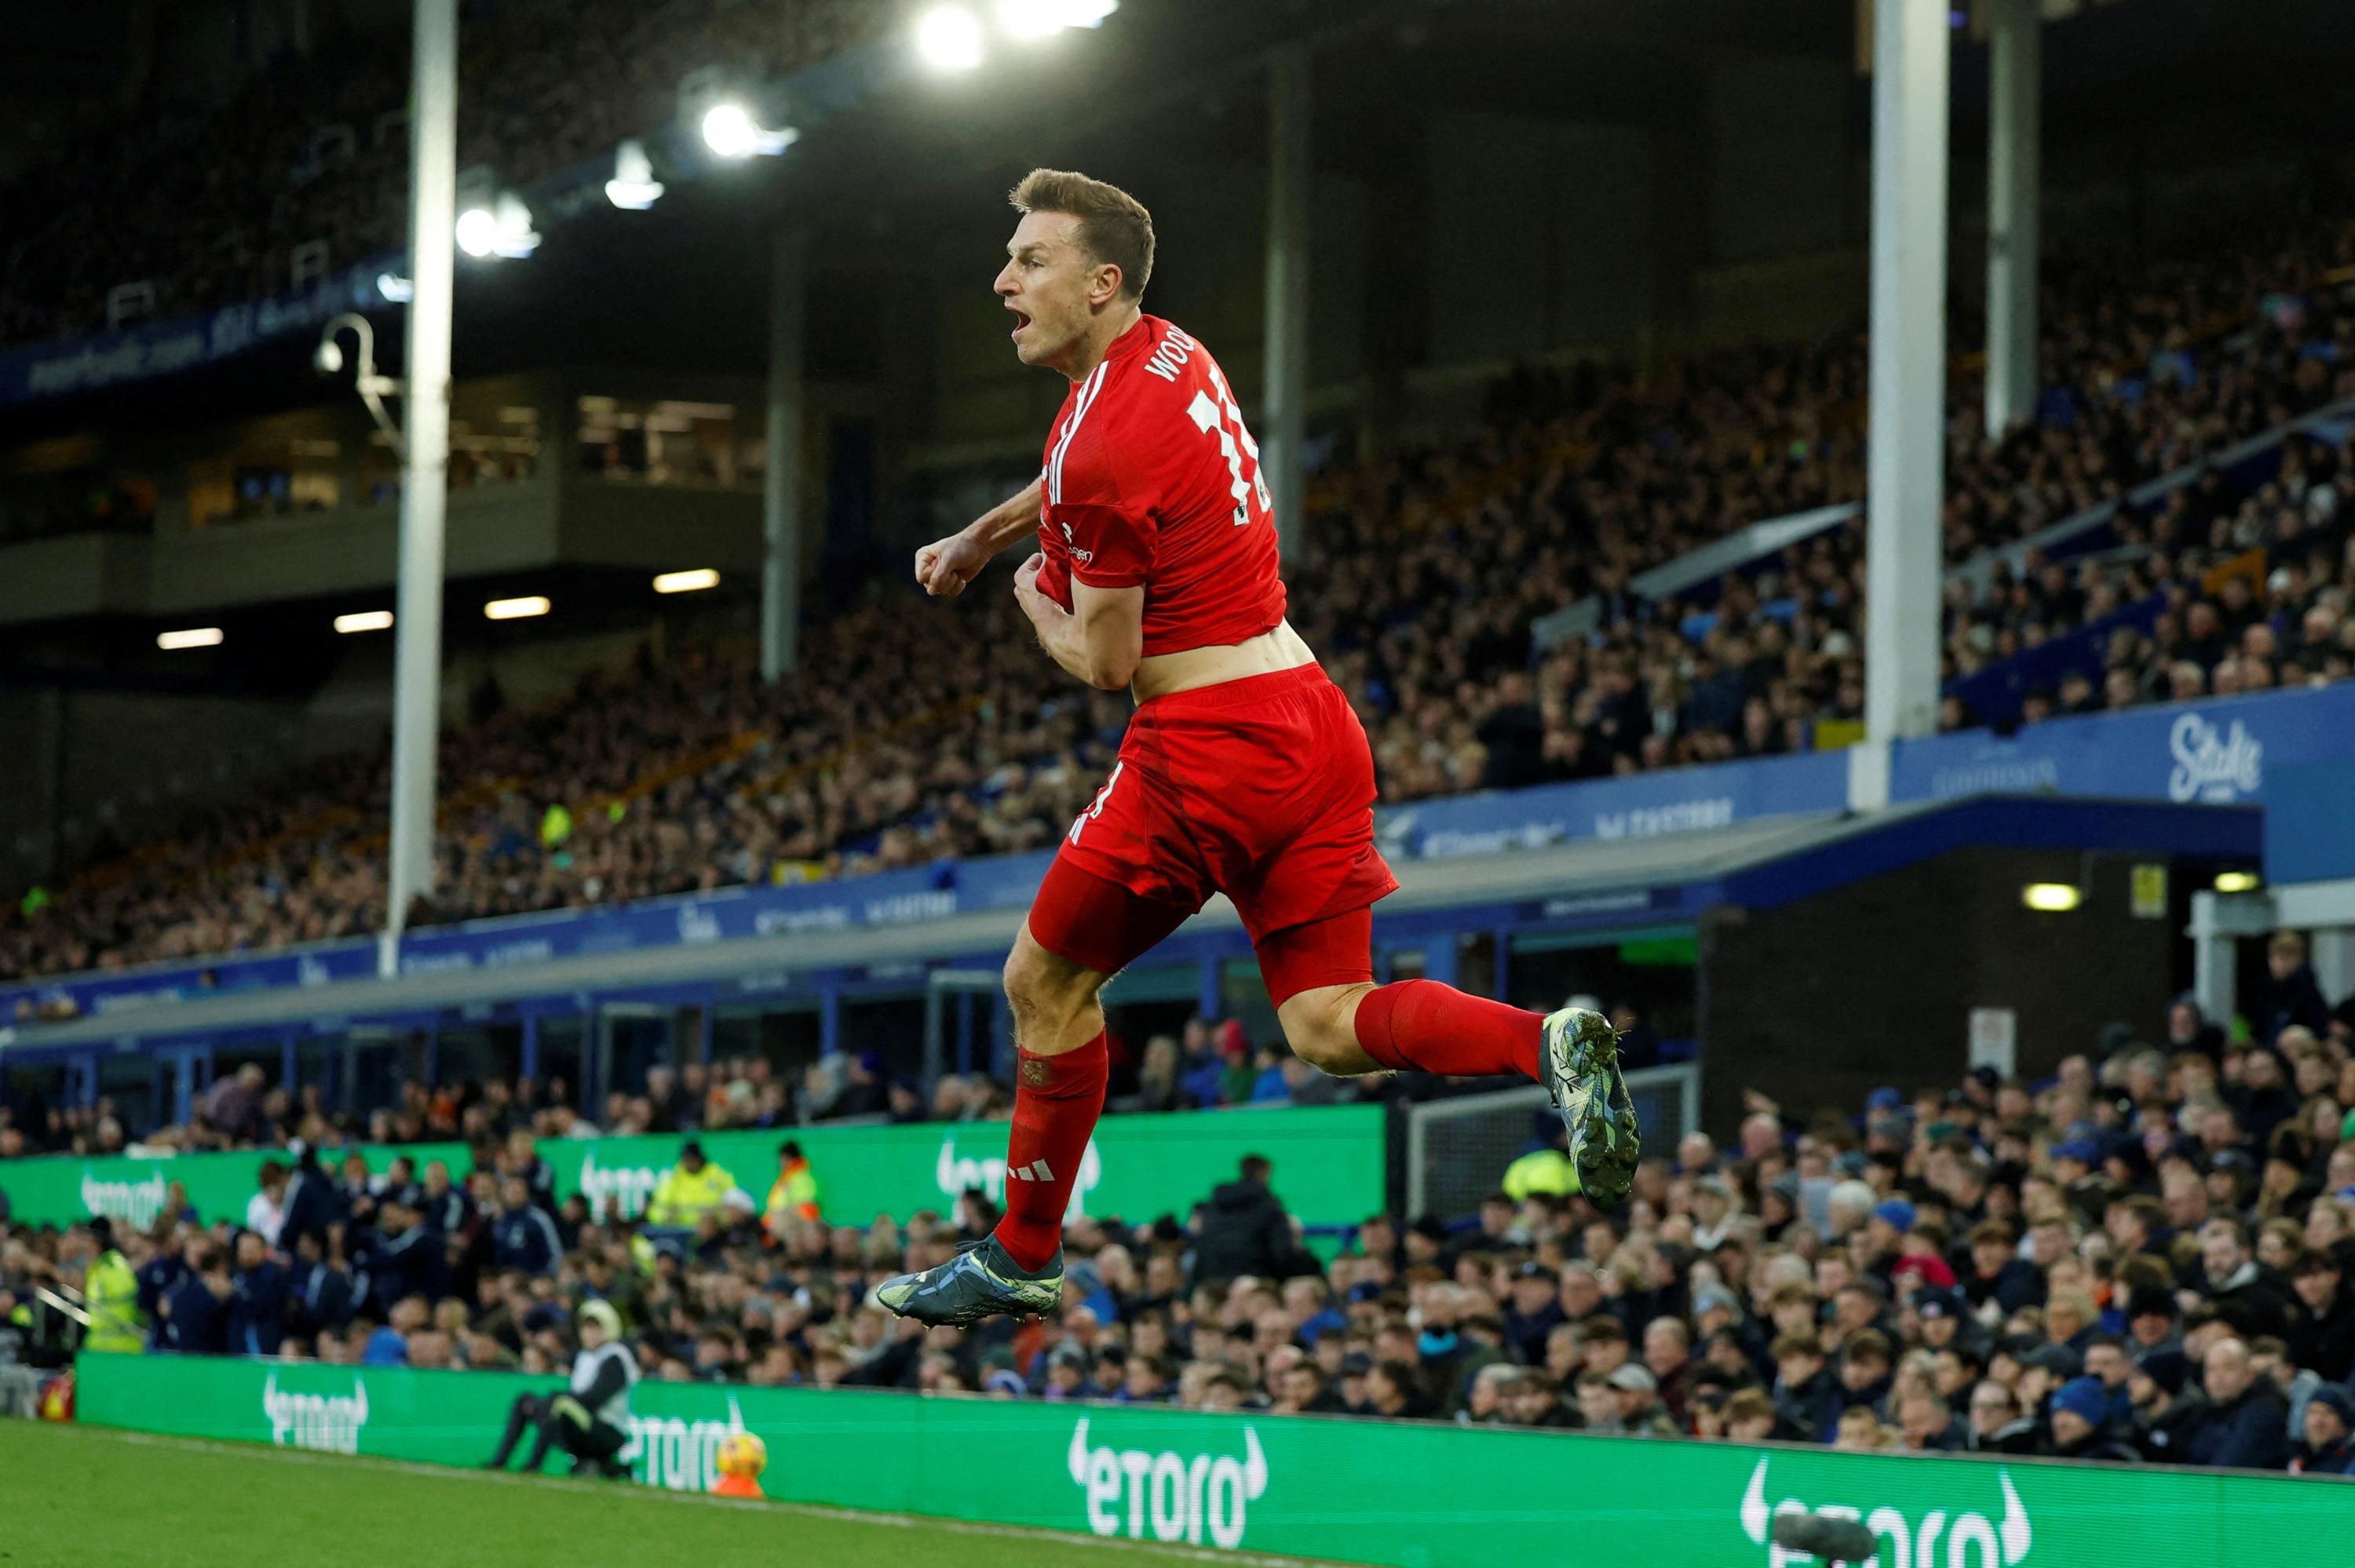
(742, 1454)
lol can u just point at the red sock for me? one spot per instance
(1432, 1028)
(1056, 1102)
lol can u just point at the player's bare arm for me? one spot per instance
(945, 566)
(1101, 639)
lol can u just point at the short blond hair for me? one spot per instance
(1115, 228)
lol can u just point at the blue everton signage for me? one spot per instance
(2216, 752)
(62, 367)
(1637, 806)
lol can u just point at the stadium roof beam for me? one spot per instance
(2015, 58)
(1905, 474)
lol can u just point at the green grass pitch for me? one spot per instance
(87, 1497)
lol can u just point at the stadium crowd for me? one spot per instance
(1430, 562)
(209, 205)
(2148, 1257)
(693, 776)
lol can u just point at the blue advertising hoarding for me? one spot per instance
(1638, 806)
(2212, 753)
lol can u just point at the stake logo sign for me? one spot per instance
(1969, 1540)
(1174, 1496)
(955, 1173)
(683, 1456)
(328, 1422)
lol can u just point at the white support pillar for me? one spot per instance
(1290, 174)
(2015, 128)
(1905, 470)
(424, 478)
(780, 489)
(2334, 961)
(2214, 958)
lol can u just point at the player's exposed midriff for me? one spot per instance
(1278, 648)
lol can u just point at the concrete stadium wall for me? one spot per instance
(1823, 1000)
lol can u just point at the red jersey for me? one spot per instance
(1152, 480)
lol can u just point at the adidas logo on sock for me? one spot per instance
(1035, 1172)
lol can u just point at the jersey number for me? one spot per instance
(1236, 445)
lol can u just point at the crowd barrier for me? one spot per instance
(1415, 1495)
(1328, 1168)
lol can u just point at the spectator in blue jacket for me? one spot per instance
(314, 1206)
(259, 1296)
(441, 1204)
(522, 1235)
(192, 1317)
(324, 1297)
(2329, 1446)
(1807, 1402)
(2246, 1424)
(407, 1262)
(159, 1274)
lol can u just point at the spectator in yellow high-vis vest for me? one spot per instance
(689, 1190)
(109, 1293)
(794, 1195)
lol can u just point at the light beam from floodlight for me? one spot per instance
(634, 186)
(365, 621)
(687, 581)
(950, 38)
(516, 609)
(516, 237)
(396, 289)
(1044, 18)
(193, 637)
(730, 131)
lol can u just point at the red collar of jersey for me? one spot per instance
(1139, 338)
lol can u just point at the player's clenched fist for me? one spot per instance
(945, 566)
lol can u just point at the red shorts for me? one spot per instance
(1261, 789)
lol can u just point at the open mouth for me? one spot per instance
(1020, 320)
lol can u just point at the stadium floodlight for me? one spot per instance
(193, 637)
(364, 620)
(687, 581)
(729, 130)
(634, 186)
(949, 37)
(2051, 897)
(1044, 18)
(478, 231)
(503, 228)
(516, 238)
(396, 289)
(2237, 881)
(516, 609)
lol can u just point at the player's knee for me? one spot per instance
(1041, 988)
(1320, 1026)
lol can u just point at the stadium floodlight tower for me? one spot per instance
(425, 464)
(1905, 389)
